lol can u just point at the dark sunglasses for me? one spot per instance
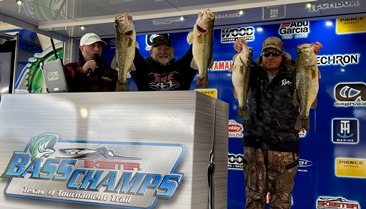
(274, 53)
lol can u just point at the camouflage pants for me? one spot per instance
(269, 171)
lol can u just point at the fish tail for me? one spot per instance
(205, 82)
(202, 82)
(240, 114)
(246, 114)
(122, 86)
(243, 113)
(302, 122)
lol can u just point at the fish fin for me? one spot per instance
(137, 45)
(114, 63)
(211, 63)
(319, 74)
(295, 98)
(190, 38)
(315, 103)
(132, 68)
(235, 94)
(194, 65)
(314, 74)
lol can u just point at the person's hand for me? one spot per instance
(317, 47)
(90, 64)
(238, 44)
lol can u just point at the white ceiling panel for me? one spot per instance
(63, 18)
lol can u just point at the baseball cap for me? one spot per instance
(91, 38)
(274, 43)
(161, 39)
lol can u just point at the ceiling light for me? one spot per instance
(82, 27)
(308, 5)
(241, 12)
(19, 2)
(181, 18)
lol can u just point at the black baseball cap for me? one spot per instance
(161, 39)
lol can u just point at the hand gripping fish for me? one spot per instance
(125, 49)
(307, 83)
(240, 79)
(202, 40)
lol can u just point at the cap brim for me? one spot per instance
(271, 47)
(162, 43)
(102, 42)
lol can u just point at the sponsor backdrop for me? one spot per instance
(332, 168)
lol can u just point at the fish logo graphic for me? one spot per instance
(104, 152)
(42, 145)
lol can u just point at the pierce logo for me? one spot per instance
(114, 174)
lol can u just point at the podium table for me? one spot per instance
(159, 150)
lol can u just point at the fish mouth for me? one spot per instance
(128, 33)
(201, 29)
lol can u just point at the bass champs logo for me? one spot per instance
(114, 174)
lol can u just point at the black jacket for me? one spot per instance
(272, 113)
(152, 76)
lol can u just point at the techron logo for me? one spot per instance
(114, 174)
(338, 59)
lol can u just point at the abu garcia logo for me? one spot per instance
(289, 30)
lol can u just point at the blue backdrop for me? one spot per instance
(332, 169)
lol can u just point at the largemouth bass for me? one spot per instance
(240, 79)
(202, 40)
(307, 83)
(125, 49)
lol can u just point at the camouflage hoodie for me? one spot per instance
(272, 113)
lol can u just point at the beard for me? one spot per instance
(163, 60)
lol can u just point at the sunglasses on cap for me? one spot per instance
(274, 53)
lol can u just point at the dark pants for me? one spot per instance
(267, 171)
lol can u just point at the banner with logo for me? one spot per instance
(332, 169)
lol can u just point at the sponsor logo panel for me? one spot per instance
(304, 165)
(289, 30)
(235, 129)
(350, 94)
(208, 92)
(350, 167)
(229, 35)
(326, 202)
(112, 174)
(223, 65)
(351, 25)
(235, 161)
(345, 131)
(274, 12)
(333, 5)
(338, 59)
